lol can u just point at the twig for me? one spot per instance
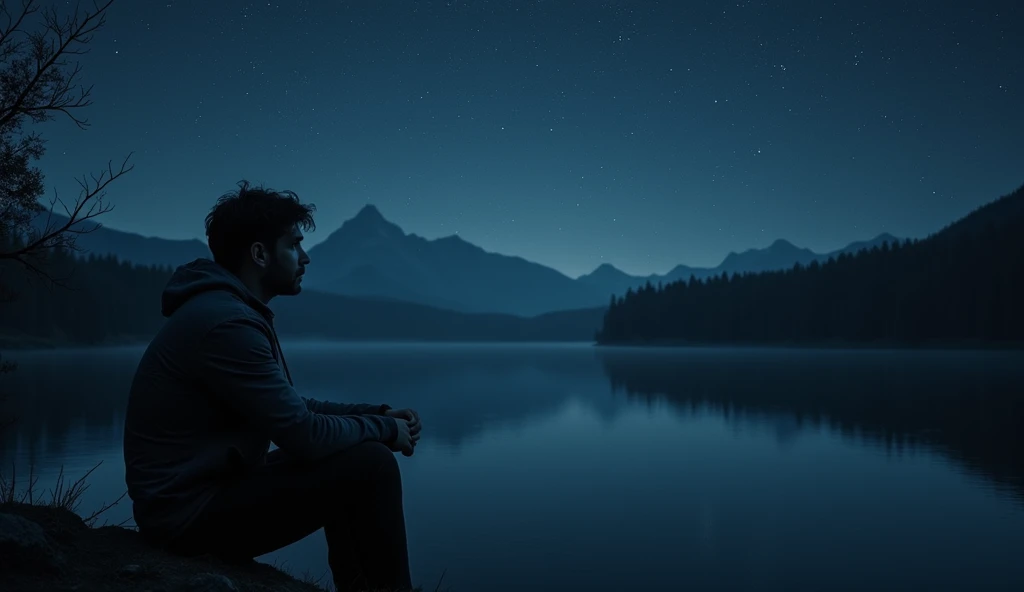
(441, 579)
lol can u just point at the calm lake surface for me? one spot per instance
(569, 467)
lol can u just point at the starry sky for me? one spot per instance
(640, 133)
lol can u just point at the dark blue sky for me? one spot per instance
(643, 133)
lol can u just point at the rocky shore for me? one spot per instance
(45, 548)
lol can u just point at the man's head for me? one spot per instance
(256, 233)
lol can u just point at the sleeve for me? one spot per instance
(332, 408)
(240, 369)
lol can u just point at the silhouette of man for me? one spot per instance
(213, 390)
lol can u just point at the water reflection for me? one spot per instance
(967, 405)
(551, 467)
(74, 399)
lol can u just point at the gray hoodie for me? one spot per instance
(211, 393)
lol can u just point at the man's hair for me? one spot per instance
(250, 215)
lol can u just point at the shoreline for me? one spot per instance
(37, 344)
(31, 343)
(53, 548)
(939, 345)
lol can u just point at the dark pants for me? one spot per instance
(355, 496)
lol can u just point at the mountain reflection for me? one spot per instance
(69, 399)
(968, 406)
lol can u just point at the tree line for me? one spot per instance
(86, 299)
(962, 284)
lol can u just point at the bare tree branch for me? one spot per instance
(62, 236)
(44, 84)
(38, 82)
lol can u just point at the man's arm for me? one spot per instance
(241, 371)
(331, 408)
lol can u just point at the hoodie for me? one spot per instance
(210, 394)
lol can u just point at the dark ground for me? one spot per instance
(115, 559)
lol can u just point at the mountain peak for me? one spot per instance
(781, 243)
(370, 220)
(605, 271)
(367, 224)
(369, 213)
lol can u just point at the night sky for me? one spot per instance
(644, 134)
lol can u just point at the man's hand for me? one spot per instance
(405, 441)
(409, 427)
(408, 415)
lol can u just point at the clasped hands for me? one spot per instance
(409, 427)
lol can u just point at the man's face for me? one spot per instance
(287, 263)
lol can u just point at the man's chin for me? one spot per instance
(292, 290)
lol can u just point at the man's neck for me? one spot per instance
(255, 287)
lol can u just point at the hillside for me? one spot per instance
(962, 284)
(129, 246)
(107, 301)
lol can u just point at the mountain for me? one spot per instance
(990, 217)
(961, 285)
(372, 257)
(108, 302)
(608, 279)
(331, 316)
(781, 254)
(369, 255)
(854, 248)
(129, 246)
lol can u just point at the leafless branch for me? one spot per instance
(9, 46)
(41, 84)
(62, 236)
(39, 81)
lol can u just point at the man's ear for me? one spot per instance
(259, 254)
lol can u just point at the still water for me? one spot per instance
(568, 467)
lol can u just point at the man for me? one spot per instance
(213, 390)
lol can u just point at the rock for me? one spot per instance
(208, 582)
(133, 571)
(24, 546)
(130, 571)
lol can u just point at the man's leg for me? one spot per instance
(355, 496)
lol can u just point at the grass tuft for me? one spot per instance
(67, 495)
(64, 495)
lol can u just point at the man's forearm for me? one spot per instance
(332, 408)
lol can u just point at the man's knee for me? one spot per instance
(371, 461)
(379, 456)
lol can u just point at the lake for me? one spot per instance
(568, 467)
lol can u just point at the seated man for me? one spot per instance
(213, 390)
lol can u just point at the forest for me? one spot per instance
(961, 285)
(83, 299)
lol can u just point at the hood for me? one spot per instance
(204, 275)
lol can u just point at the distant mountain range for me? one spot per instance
(781, 254)
(371, 257)
(959, 286)
(129, 246)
